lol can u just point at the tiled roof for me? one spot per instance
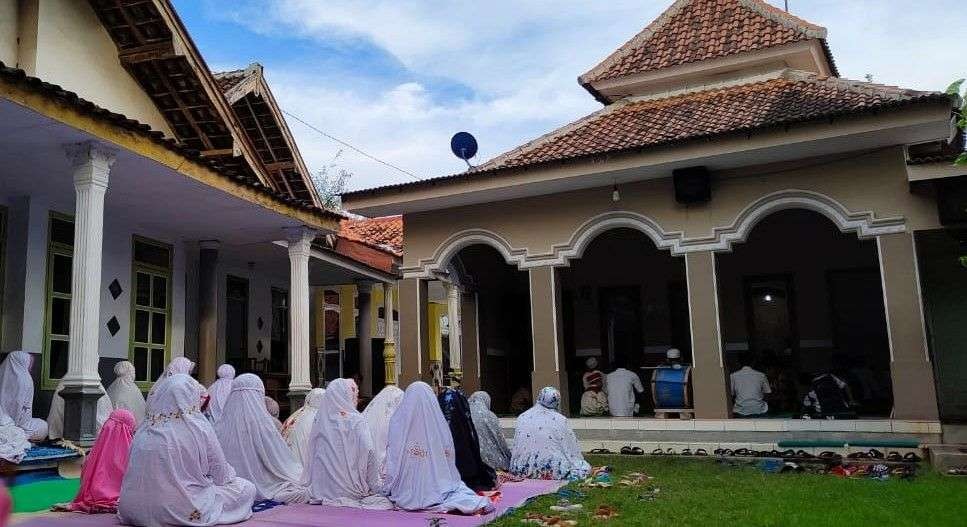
(69, 98)
(696, 30)
(637, 123)
(384, 233)
(227, 80)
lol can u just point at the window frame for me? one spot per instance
(152, 271)
(54, 249)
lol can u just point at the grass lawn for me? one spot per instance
(702, 492)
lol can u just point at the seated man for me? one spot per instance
(594, 401)
(829, 397)
(621, 385)
(749, 388)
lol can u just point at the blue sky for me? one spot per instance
(397, 78)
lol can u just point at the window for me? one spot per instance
(60, 257)
(150, 309)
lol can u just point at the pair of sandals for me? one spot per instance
(685, 452)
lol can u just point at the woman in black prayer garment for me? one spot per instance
(473, 471)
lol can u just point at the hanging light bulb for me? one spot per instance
(615, 195)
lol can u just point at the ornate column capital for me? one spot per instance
(93, 155)
(300, 239)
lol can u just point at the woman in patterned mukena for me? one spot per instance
(473, 471)
(544, 446)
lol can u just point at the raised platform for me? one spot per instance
(757, 434)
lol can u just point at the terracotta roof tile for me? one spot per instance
(696, 30)
(634, 124)
(227, 80)
(384, 233)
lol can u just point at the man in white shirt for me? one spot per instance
(621, 386)
(749, 390)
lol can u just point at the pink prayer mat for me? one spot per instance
(513, 495)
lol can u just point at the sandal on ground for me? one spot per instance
(788, 453)
(875, 454)
(637, 451)
(565, 505)
(830, 456)
(686, 451)
(701, 452)
(626, 450)
(911, 456)
(670, 451)
(803, 454)
(743, 452)
(858, 455)
(894, 456)
(957, 471)
(600, 451)
(605, 512)
(658, 452)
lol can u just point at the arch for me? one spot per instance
(864, 224)
(591, 229)
(427, 268)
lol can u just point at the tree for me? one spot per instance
(961, 102)
(331, 181)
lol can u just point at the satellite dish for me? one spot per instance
(464, 146)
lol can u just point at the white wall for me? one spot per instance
(260, 284)
(75, 51)
(8, 32)
(25, 279)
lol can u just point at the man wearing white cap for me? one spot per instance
(594, 402)
(673, 357)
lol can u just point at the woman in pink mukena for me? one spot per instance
(105, 466)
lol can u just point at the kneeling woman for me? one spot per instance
(544, 446)
(420, 469)
(177, 473)
(254, 446)
(343, 466)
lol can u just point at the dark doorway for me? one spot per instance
(279, 359)
(771, 314)
(621, 324)
(236, 323)
(943, 278)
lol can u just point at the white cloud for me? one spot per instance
(520, 59)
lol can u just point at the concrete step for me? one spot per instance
(946, 456)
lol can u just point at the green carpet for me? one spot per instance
(39, 496)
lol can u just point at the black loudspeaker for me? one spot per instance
(952, 201)
(692, 185)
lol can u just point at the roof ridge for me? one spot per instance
(859, 86)
(758, 6)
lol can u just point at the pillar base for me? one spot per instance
(297, 398)
(80, 413)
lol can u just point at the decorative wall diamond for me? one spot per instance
(113, 325)
(259, 323)
(258, 346)
(115, 289)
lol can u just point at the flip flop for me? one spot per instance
(894, 456)
(600, 451)
(626, 450)
(701, 452)
(910, 456)
(658, 452)
(803, 454)
(875, 454)
(670, 451)
(686, 451)
(637, 451)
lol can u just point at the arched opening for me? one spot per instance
(501, 297)
(625, 303)
(801, 301)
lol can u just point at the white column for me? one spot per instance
(389, 337)
(92, 164)
(453, 315)
(300, 241)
